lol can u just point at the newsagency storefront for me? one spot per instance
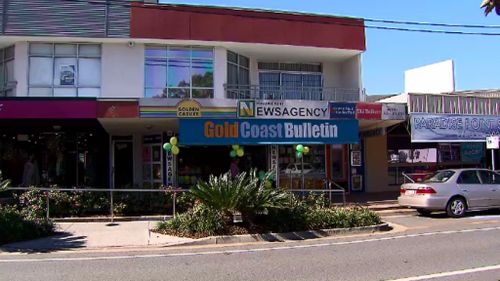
(267, 135)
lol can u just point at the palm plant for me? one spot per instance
(245, 193)
(3, 183)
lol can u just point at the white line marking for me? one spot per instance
(206, 253)
(450, 273)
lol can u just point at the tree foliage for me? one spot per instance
(489, 5)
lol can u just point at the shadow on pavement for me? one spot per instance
(59, 241)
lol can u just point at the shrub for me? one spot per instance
(14, 226)
(200, 221)
(244, 193)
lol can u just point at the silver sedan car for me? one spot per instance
(455, 191)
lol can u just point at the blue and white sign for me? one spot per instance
(264, 131)
(453, 128)
(342, 110)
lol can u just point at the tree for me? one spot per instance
(489, 5)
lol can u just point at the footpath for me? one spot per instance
(130, 232)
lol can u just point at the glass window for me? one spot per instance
(7, 81)
(468, 177)
(488, 177)
(64, 70)
(65, 50)
(89, 73)
(40, 72)
(178, 72)
(440, 176)
(89, 50)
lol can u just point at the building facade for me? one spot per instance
(90, 92)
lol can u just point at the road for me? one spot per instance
(419, 248)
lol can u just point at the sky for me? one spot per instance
(390, 53)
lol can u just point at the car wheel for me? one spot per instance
(456, 207)
(423, 212)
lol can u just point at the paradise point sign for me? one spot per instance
(259, 131)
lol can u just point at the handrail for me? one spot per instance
(289, 92)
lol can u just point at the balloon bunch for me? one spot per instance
(301, 150)
(236, 151)
(171, 146)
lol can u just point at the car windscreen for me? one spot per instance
(440, 176)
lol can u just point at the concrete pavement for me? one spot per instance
(454, 249)
(93, 235)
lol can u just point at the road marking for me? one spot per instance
(450, 273)
(255, 250)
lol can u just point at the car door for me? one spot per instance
(476, 193)
(492, 180)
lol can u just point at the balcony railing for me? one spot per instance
(291, 93)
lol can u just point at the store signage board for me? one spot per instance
(453, 128)
(342, 110)
(188, 109)
(492, 142)
(368, 111)
(283, 109)
(264, 131)
(472, 152)
(48, 109)
(393, 111)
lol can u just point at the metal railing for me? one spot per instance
(328, 184)
(47, 191)
(292, 93)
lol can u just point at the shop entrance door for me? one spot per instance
(123, 164)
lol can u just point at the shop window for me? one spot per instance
(64, 70)
(152, 157)
(338, 162)
(290, 80)
(7, 82)
(179, 72)
(238, 75)
(291, 168)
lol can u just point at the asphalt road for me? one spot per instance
(420, 248)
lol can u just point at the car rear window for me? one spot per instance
(440, 176)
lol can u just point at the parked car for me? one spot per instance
(295, 168)
(455, 191)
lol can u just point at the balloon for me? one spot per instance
(262, 174)
(173, 141)
(300, 148)
(175, 150)
(167, 146)
(235, 147)
(232, 153)
(240, 152)
(306, 149)
(298, 154)
(268, 184)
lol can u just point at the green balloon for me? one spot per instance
(262, 174)
(235, 147)
(298, 154)
(300, 148)
(167, 146)
(232, 153)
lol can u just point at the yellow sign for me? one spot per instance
(189, 109)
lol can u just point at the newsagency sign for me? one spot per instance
(453, 128)
(262, 131)
(283, 109)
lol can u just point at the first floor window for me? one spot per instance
(64, 70)
(179, 72)
(7, 81)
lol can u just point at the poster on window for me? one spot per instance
(67, 75)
